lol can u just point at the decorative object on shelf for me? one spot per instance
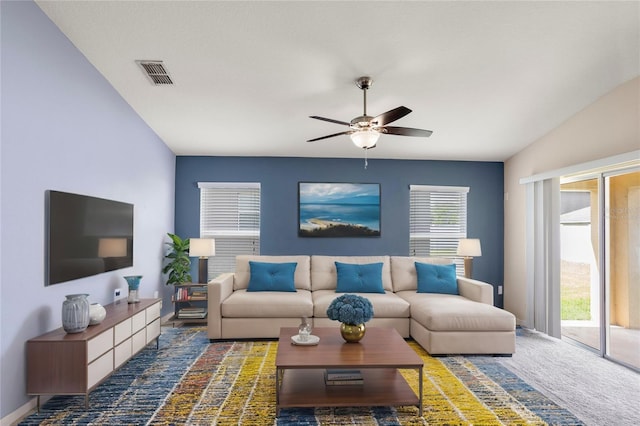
(179, 264)
(352, 311)
(304, 330)
(97, 313)
(134, 283)
(469, 248)
(202, 248)
(75, 313)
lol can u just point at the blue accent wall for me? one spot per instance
(279, 179)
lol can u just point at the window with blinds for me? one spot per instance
(437, 221)
(230, 214)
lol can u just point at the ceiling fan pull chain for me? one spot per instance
(366, 163)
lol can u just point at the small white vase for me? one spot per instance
(96, 313)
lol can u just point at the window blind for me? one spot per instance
(230, 213)
(437, 221)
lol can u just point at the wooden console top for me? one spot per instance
(116, 313)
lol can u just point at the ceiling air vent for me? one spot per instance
(156, 72)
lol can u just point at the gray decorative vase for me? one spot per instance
(75, 313)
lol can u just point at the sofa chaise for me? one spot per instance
(464, 323)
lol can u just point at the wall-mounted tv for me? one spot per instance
(86, 236)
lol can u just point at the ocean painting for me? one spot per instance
(339, 209)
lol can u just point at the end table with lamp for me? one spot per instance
(190, 300)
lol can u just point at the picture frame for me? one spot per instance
(338, 209)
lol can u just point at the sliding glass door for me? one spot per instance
(580, 261)
(600, 263)
(622, 250)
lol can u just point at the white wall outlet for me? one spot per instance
(155, 294)
(499, 289)
(116, 294)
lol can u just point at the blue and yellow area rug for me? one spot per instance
(191, 381)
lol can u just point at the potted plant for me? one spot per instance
(179, 263)
(352, 311)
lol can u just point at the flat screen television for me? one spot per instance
(86, 236)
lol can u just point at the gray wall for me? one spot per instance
(65, 128)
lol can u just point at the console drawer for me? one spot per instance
(99, 345)
(139, 341)
(138, 321)
(99, 369)
(122, 353)
(122, 331)
(153, 330)
(153, 312)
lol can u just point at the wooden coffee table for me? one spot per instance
(379, 355)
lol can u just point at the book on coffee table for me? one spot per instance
(342, 377)
(342, 374)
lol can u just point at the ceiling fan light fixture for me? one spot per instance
(365, 139)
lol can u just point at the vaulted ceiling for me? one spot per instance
(489, 78)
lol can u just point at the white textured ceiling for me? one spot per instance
(488, 78)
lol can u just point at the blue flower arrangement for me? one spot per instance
(350, 309)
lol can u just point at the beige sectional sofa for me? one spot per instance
(467, 323)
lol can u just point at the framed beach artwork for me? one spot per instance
(338, 209)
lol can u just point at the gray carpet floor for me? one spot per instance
(596, 390)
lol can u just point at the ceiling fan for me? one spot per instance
(365, 129)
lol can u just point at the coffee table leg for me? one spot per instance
(278, 372)
(420, 386)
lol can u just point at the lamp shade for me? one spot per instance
(202, 247)
(469, 247)
(365, 138)
(112, 247)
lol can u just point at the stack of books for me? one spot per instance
(338, 377)
(192, 312)
(190, 293)
(199, 293)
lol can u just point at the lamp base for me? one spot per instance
(468, 266)
(202, 270)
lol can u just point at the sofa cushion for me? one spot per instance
(386, 305)
(403, 270)
(269, 304)
(267, 276)
(301, 278)
(448, 312)
(324, 274)
(359, 278)
(436, 278)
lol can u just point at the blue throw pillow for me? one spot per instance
(437, 278)
(271, 276)
(359, 278)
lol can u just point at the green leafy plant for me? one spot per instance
(179, 263)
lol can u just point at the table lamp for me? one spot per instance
(469, 248)
(202, 248)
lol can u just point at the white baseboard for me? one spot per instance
(23, 411)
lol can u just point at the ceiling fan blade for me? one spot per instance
(391, 115)
(406, 131)
(330, 136)
(330, 120)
